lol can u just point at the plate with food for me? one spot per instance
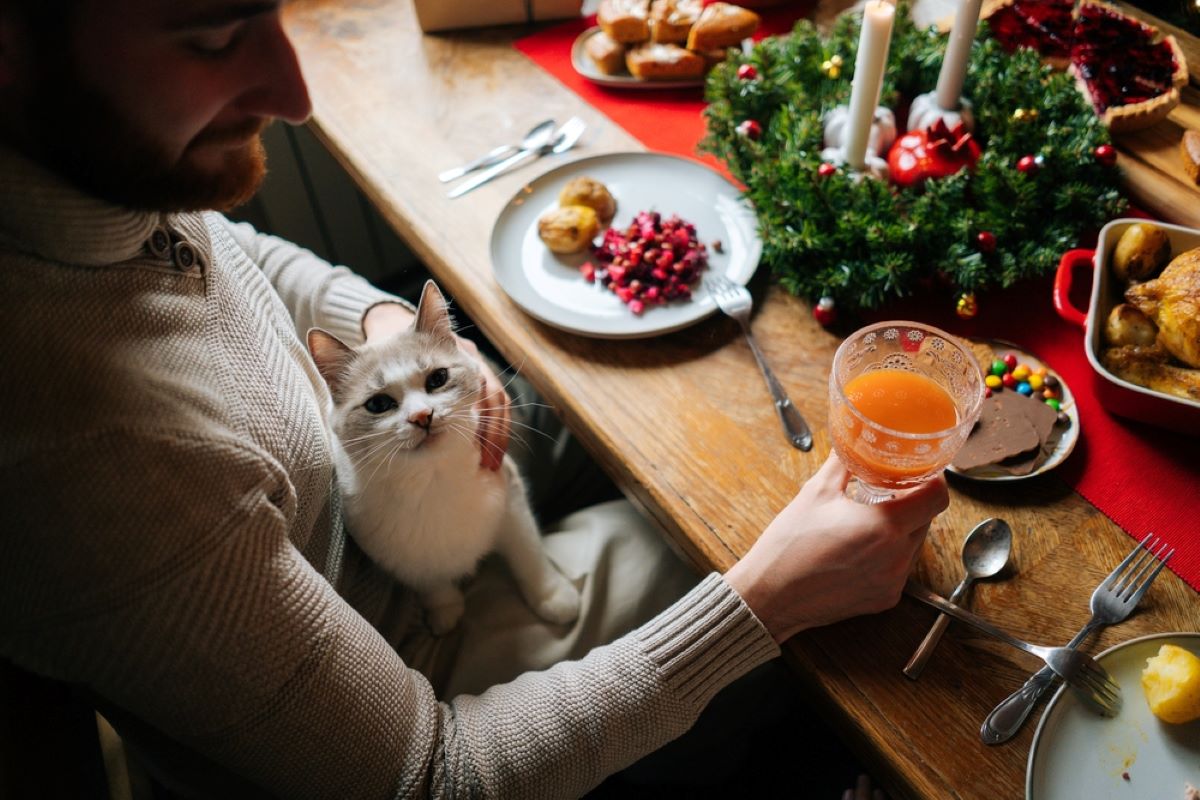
(1028, 423)
(1148, 750)
(617, 246)
(667, 44)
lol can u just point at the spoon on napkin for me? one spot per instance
(985, 552)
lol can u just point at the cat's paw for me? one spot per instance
(559, 601)
(444, 616)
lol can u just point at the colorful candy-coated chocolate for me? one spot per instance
(1051, 394)
(1024, 388)
(1009, 381)
(1021, 372)
(999, 367)
(993, 381)
(1053, 403)
(1041, 371)
(1051, 382)
(987, 392)
(1010, 360)
(1036, 382)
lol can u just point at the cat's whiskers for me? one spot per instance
(364, 437)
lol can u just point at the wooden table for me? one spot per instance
(682, 421)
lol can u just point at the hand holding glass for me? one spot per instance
(903, 397)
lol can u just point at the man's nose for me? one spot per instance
(282, 92)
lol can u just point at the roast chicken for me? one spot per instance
(1151, 367)
(1172, 301)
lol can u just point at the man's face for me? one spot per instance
(157, 104)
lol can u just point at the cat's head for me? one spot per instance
(406, 391)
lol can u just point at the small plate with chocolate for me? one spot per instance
(1028, 423)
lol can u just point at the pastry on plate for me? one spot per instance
(625, 21)
(672, 20)
(606, 54)
(1128, 70)
(664, 62)
(721, 25)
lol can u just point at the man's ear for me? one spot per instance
(332, 357)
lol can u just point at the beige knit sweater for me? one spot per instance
(170, 543)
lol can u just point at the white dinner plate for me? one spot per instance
(1080, 755)
(1061, 443)
(550, 287)
(584, 65)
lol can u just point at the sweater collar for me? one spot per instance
(43, 214)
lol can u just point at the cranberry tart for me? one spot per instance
(1129, 72)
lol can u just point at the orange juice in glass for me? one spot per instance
(903, 398)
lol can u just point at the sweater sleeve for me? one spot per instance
(156, 571)
(316, 293)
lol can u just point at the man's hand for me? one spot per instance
(384, 320)
(826, 557)
(495, 422)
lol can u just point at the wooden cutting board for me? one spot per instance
(1150, 157)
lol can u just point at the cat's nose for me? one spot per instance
(422, 418)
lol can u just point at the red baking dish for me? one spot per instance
(1115, 394)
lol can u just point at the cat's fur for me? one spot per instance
(416, 498)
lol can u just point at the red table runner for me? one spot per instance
(1142, 478)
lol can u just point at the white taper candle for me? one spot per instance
(873, 43)
(958, 51)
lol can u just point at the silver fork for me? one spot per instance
(1112, 602)
(1091, 682)
(734, 300)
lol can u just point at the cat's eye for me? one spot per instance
(379, 403)
(436, 379)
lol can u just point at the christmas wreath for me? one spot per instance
(1044, 176)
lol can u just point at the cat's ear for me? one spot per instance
(331, 355)
(433, 315)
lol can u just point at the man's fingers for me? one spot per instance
(494, 424)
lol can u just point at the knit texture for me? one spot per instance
(173, 543)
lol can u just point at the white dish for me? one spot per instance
(1078, 754)
(550, 287)
(1060, 445)
(584, 65)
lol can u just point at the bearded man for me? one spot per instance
(173, 541)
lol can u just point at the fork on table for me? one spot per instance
(734, 299)
(1112, 602)
(1091, 682)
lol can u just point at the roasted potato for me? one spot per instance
(1127, 325)
(585, 191)
(568, 229)
(1171, 681)
(1141, 252)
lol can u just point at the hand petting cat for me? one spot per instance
(384, 320)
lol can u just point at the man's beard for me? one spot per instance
(80, 134)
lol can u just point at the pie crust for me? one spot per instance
(1134, 88)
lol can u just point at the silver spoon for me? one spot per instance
(985, 552)
(540, 139)
(496, 155)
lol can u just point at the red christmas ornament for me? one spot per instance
(1106, 154)
(747, 72)
(824, 312)
(1027, 164)
(750, 129)
(826, 169)
(966, 306)
(986, 241)
(935, 152)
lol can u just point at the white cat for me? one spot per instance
(416, 498)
